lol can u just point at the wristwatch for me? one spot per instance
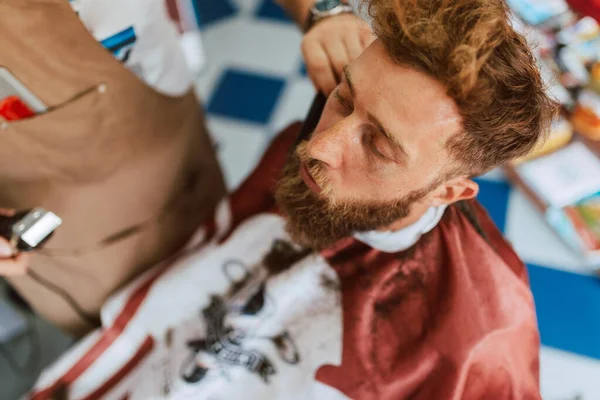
(324, 9)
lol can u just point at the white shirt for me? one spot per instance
(141, 34)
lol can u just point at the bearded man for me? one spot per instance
(365, 270)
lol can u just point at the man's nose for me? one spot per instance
(332, 145)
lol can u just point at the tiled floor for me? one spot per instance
(254, 85)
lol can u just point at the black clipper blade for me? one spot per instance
(29, 230)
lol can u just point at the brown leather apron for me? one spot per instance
(111, 153)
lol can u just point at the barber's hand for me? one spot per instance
(331, 44)
(11, 264)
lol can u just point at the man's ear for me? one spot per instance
(456, 189)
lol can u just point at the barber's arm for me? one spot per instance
(331, 42)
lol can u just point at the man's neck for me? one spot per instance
(417, 212)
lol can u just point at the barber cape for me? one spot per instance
(244, 313)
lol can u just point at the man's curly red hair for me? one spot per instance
(487, 67)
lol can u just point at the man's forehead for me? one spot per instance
(402, 95)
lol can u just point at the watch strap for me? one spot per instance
(313, 18)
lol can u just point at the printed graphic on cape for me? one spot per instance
(224, 344)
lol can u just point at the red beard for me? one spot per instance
(318, 221)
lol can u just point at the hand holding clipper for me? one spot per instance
(22, 232)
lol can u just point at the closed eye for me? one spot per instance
(370, 138)
(376, 152)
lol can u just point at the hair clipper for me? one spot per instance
(29, 229)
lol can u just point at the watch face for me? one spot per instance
(326, 5)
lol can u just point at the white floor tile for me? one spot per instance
(206, 82)
(564, 376)
(240, 146)
(260, 46)
(293, 104)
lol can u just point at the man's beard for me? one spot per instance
(318, 221)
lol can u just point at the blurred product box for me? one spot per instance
(542, 13)
(561, 176)
(586, 117)
(565, 186)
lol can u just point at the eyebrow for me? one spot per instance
(349, 80)
(391, 138)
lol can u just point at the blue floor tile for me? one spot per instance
(247, 96)
(209, 11)
(494, 197)
(303, 70)
(568, 310)
(270, 10)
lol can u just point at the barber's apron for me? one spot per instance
(110, 154)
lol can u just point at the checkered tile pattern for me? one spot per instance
(255, 84)
(246, 96)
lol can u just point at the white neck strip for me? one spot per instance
(393, 242)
